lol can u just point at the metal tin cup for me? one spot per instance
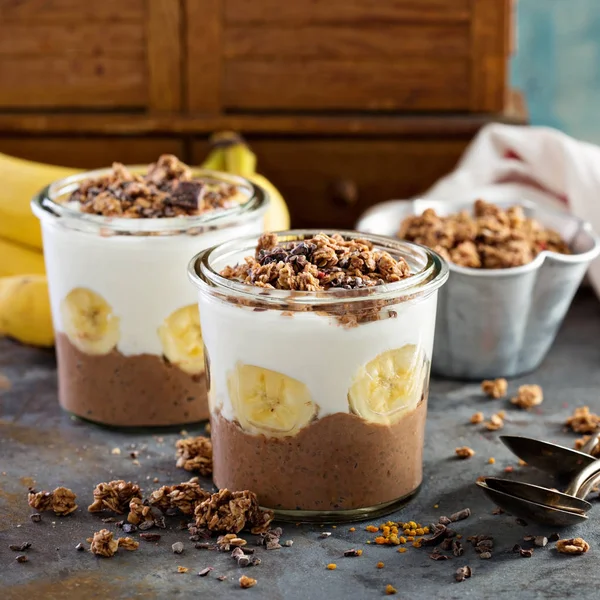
(498, 322)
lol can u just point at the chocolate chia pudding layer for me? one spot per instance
(339, 462)
(134, 391)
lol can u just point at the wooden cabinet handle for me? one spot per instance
(344, 192)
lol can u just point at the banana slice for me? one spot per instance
(388, 386)
(269, 402)
(181, 339)
(88, 322)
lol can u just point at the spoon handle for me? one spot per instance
(586, 488)
(589, 446)
(581, 478)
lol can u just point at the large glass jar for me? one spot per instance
(128, 338)
(318, 399)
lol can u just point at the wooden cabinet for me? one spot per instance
(443, 55)
(345, 102)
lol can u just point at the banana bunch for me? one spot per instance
(20, 235)
(22, 282)
(231, 154)
(25, 310)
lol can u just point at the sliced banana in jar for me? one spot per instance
(89, 322)
(181, 339)
(269, 402)
(389, 386)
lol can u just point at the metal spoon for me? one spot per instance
(544, 505)
(552, 458)
(532, 511)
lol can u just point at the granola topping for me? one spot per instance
(168, 189)
(114, 495)
(495, 388)
(195, 454)
(321, 263)
(528, 396)
(230, 512)
(61, 501)
(491, 238)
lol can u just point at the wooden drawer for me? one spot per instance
(431, 55)
(90, 153)
(90, 55)
(330, 182)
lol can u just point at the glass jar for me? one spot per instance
(318, 399)
(128, 337)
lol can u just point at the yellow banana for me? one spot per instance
(25, 310)
(17, 259)
(240, 160)
(21, 180)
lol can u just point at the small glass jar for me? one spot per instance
(128, 339)
(318, 399)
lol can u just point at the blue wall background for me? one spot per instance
(557, 64)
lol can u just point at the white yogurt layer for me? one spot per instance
(143, 278)
(311, 348)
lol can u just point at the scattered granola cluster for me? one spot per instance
(166, 190)
(114, 496)
(143, 516)
(183, 497)
(464, 452)
(195, 454)
(528, 396)
(496, 421)
(495, 388)
(104, 544)
(61, 501)
(572, 546)
(583, 421)
(319, 263)
(491, 238)
(230, 512)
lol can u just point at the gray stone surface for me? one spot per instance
(42, 446)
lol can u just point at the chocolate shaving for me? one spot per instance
(20, 547)
(150, 537)
(457, 548)
(205, 571)
(465, 513)
(440, 534)
(437, 556)
(352, 552)
(463, 573)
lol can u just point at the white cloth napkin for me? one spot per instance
(540, 164)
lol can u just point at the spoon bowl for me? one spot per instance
(532, 511)
(538, 494)
(558, 460)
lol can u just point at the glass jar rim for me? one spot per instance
(422, 282)
(45, 205)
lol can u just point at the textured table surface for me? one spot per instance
(42, 446)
